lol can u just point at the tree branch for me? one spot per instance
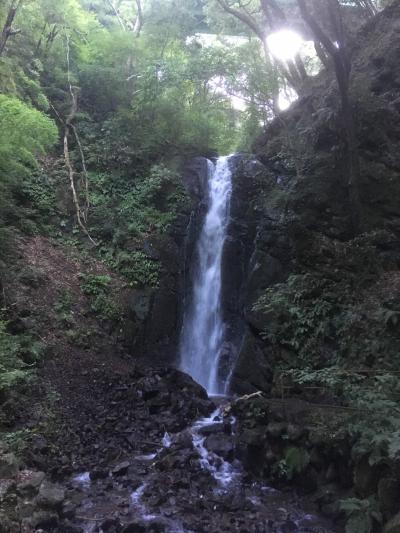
(116, 13)
(139, 18)
(8, 31)
(247, 19)
(81, 215)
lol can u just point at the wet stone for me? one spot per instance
(212, 429)
(221, 445)
(50, 495)
(121, 468)
(29, 481)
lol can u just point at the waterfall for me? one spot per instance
(203, 327)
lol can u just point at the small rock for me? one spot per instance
(42, 519)
(294, 432)
(221, 445)
(276, 429)
(288, 527)
(9, 465)
(121, 468)
(393, 526)
(135, 527)
(389, 496)
(50, 495)
(98, 473)
(331, 473)
(365, 478)
(68, 510)
(6, 486)
(29, 481)
(211, 429)
(26, 509)
(110, 525)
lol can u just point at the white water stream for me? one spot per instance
(203, 329)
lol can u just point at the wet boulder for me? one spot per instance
(211, 429)
(50, 495)
(41, 520)
(220, 444)
(9, 465)
(29, 481)
(121, 468)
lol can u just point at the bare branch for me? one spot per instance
(116, 13)
(247, 19)
(81, 215)
(8, 30)
(139, 18)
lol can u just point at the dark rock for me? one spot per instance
(68, 510)
(98, 473)
(221, 445)
(211, 429)
(29, 481)
(331, 473)
(135, 527)
(276, 429)
(9, 465)
(6, 487)
(111, 525)
(295, 432)
(42, 519)
(393, 526)
(252, 371)
(389, 496)
(121, 468)
(50, 495)
(365, 478)
(289, 526)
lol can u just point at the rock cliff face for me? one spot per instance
(155, 318)
(290, 208)
(290, 216)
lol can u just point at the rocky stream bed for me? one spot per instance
(146, 451)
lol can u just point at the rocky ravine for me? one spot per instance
(132, 459)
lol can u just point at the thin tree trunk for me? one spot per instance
(8, 31)
(116, 13)
(139, 18)
(81, 215)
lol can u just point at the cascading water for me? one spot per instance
(203, 329)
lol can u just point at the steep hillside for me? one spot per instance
(321, 319)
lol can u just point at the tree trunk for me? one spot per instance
(7, 28)
(139, 18)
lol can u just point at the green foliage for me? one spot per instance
(98, 288)
(39, 192)
(94, 285)
(17, 441)
(312, 310)
(138, 268)
(151, 206)
(373, 420)
(361, 515)
(17, 355)
(25, 133)
(63, 307)
(296, 461)
(299, 312)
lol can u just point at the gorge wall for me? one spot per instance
(290, 216)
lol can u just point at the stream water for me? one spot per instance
(190, 482)
(221, 497)
(203, 329)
